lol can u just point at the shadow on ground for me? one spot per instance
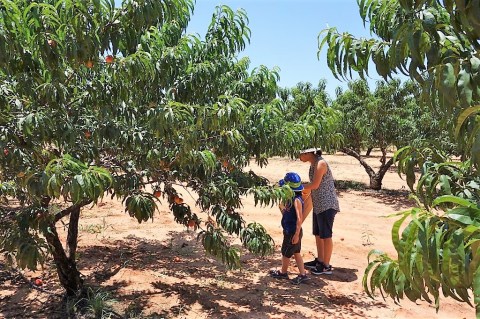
(196, 281)
(397, 199)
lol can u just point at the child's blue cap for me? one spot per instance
(293, 180)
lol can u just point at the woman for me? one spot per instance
(324, 200)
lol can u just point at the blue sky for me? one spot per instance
(284, 34)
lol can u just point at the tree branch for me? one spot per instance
(384, 168)
(384, 156)
(72, 235)
(365, 165)
(71, 209)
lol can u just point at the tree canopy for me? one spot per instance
(390, 116)
(100, 100)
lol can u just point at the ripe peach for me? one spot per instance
(109, 59)
(178, 200)
(89, 64)
(6, 151)
(191, 223)
(157, 194)
(88, 134)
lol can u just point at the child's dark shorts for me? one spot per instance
(323, 223)
(288, 249)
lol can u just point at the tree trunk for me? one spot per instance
(376, 182)
(369, 151)
(376, 178)
(68, 274)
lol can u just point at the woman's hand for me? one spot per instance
(306, 193)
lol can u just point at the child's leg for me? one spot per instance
(285, 263)
(299, 261)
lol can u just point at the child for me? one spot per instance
(292, 230)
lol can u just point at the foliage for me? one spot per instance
(352, 104)
(426, 272)
(440, 175)
(380, 119)
(303, 97)
(436, 43)
(99, 100)
(385, 118)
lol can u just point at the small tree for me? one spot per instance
(99, 100)
(381, 119)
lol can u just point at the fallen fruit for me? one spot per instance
(38, 282)
(164, 165)
(176, 259)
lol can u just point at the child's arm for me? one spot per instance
(299, 212)
(281, 206)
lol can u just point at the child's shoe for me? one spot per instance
(277, 274)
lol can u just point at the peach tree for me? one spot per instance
(390, 115)
(98, 100)
(436, 43)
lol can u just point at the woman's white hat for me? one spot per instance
(310, 150)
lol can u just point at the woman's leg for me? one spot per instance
(327, 250)
(324, 241)
(320, 249)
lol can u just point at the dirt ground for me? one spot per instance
(159, 270)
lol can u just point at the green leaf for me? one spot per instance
(463, 117)
(451, 199)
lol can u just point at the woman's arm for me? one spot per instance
(320, 170)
